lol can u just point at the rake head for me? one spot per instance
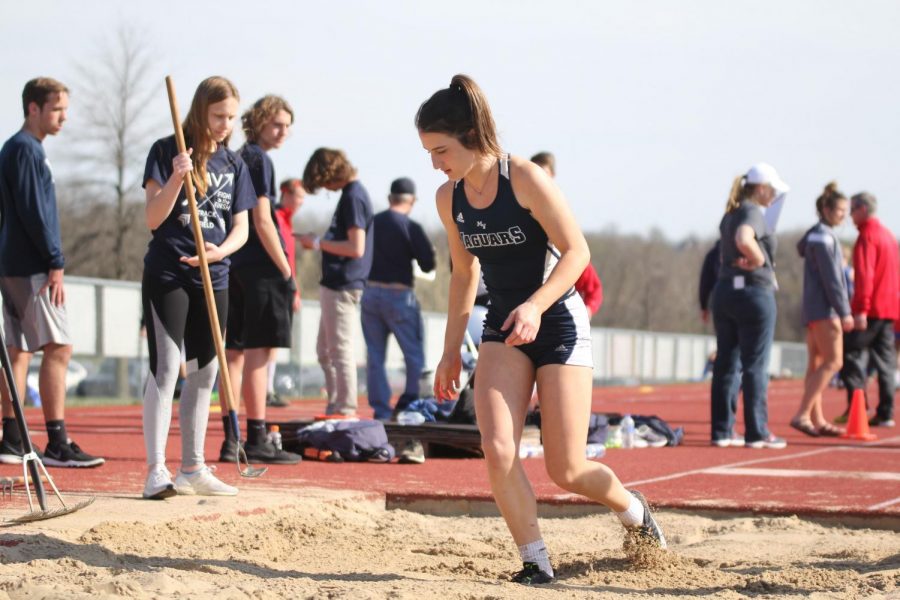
(42, 515)
(243, 465)
(37, 476)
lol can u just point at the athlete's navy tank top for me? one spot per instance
(516, 256)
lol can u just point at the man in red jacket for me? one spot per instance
(875, 308)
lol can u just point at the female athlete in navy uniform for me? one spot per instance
(174, 306)
(507, 214)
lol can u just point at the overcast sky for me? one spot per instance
(650, 107)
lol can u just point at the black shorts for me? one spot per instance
(259, 314)
(564, 337)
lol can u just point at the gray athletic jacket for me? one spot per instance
(824, 290)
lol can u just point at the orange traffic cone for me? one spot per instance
(858, 420)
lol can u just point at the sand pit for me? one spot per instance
(327, 544)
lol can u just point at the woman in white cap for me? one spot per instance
(743, 308)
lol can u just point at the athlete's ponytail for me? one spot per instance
(829, 198)
(735, 195)
(461, 110)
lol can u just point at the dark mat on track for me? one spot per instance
(440, 440)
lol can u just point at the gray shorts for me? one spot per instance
(30, 320)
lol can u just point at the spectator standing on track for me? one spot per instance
(347, 249)
(744, 311)
(506, 215)
(588, 285)
(389, 304)
(31, 274)
(261, 288)
(175, 308)
(826, 310)
(709, 274)
(875, 307)
(292, 195)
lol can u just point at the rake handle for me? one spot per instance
(20, 423)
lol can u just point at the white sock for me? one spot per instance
(633, 516)
(536, 552)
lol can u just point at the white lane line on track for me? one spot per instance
(761, 461)
(886, 504)
(794, 473)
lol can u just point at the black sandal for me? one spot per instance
(805, 427)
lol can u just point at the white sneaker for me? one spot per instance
(733, 441)
(653, 439)
(775, 443)
(202, 483)
(159, 483)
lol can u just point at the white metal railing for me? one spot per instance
(104, 319)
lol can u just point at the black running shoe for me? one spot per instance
(649, 529)
(531, 574)
(267, 453)
(413, 453)
(69, 455)
(11, 454)
(273, 399)
(228, 452)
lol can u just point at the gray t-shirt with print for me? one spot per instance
(750, 214)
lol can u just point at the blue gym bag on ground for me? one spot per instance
(357, 441)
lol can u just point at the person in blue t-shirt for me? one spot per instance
(389, 304)
(31, 274)
(346, 260)
(174, 304)
(261, 288)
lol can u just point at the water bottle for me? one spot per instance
(275, 436)
(594, 451)
(410, 417)
(614, 437)
(531, 451)
(627, 432)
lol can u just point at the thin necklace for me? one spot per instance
(484, 185)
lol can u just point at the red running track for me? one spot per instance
(811, 477)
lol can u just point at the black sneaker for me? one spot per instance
(273, 399)
(69, 455)
(877, 421)
(381, 455)
(413, 453)
(267, 453)
(228, 452)
(11, 454)
(531, 574)
(649, 529)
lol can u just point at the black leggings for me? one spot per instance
(176, 316)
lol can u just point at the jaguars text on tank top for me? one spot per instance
(516, 258)
(515, 254)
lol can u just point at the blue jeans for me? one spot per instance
(745, 325)
(388, 311)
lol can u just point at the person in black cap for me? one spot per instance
(389, 304)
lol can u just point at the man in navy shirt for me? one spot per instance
(31, 273)
(389, 304)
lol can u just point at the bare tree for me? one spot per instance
(111, 137)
